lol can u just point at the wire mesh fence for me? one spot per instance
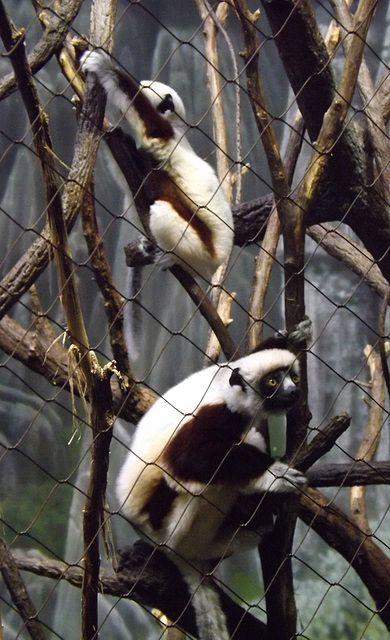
(105, 306)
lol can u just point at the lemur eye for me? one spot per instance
(272, 382)
(295, 379)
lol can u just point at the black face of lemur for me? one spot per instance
(280, 389)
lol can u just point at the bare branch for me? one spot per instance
(211, 20)
(102, 24)
(264, 263)
(355, 258)
(349, 474)
(322, 442)
(373, 108)
(56, 31)
(18, 592)
(147, 576)
(44, 148)
(210, 31)
(339, 532)
(334, 118)
(382, 333)
(370, 442)
(277, 569)
(37, 351)
(207, 310)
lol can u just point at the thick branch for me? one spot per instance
(148, 577)
(322, 442)
(369, 561)
(40, 353)
(277, 569)
(334, 117)
(349, 474)
(379, 142)
(305, 57)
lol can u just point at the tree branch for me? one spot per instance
(322, 442)
(148, 577)
(19, 594)
(52, 39)
(360, 551)
(207, 310)
(370, 442)
(334, 117)
(277, 568)
(40, 353)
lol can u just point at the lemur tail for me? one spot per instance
(210, 618)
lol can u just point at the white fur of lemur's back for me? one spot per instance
(193, 176)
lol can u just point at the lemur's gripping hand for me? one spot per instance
(281, 478)
(301, 333)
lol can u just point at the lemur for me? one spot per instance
(197, 453)
(190, 218)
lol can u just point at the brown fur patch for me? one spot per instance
(193, 220)
(159, 504)
(156, 126)
(208, 448)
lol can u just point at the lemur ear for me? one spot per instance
(237, 379)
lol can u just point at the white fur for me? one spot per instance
(192, 175)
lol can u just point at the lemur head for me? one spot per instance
(165, 99)
(264, 383)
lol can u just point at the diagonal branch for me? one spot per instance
(55, 33)
(333, 123)
(339, 532)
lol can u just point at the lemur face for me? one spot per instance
(280, 389)
(264, 382)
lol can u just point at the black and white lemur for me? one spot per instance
(190, 217)
(196, 454)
